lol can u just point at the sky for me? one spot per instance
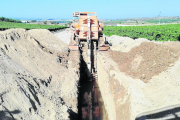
(106, 9)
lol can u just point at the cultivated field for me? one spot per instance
(158, 32)
(9, 25)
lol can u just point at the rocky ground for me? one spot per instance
(138, 79)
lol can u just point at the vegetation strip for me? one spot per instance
(9, 25)
(158, 32)
(9, 20)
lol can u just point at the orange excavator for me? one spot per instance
(88, 36)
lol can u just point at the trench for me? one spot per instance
(90, 103)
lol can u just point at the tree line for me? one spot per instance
(9, 20)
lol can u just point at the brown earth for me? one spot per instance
(132, 91)
(147, 60)
(119, 92)
(39, 76)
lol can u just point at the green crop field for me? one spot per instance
(8, 25)
(169, 32)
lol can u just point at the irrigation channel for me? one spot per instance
(90, 103)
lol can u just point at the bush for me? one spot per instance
(45, 22)
(33, 21)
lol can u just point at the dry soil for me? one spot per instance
(138, 79)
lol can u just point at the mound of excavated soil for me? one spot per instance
(64, 35)
(148, 59)
(48, 40)
(33, 81)
(124, 44)
(157, 64)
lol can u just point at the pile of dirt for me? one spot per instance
(148, 59)
(124, 44)
(48, 40)
(64, 35)
(138, 79)
(129, 98)
(33, 80)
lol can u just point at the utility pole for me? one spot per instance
(159, 18)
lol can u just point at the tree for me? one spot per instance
(136, 22)
(2, 18)
(33, 21)
(45, 22)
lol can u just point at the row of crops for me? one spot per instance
(158, 32)
(8, 25)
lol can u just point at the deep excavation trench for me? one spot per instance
(90, 103)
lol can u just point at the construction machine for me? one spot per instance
(88, 37)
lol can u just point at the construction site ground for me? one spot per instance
(137, 79)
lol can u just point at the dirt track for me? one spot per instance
(39, 76)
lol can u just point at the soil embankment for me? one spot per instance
(146, 60)
(37, 81)
(139, 78)
(64, 35)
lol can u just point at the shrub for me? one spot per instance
(45, 22)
